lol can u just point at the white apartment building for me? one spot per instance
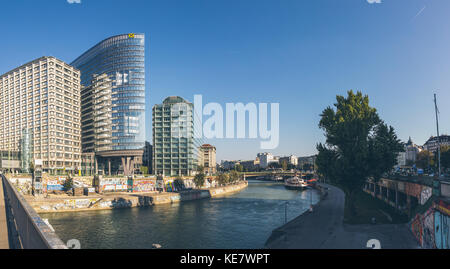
(266, 158)
(43, 96)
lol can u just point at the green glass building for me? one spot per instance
(175, 148)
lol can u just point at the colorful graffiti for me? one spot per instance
(144, 186)
(441, 230)
(432, 228)
(416, 228)
(428, 229)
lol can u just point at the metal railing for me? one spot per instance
(32, 231)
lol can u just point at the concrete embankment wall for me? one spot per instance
(128, 200)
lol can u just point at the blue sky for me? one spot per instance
(296, 52)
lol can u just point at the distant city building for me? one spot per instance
(310, 160)
(266, 158)
(228, 165)
(401, 159)
(250, 165)
(175, 150)
(43, 96)
(113, 76)
(207, 158)
(289, 160)
(411, 151)
(432, 143)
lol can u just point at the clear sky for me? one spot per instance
(296, 52)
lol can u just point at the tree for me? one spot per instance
(326, 162)
(445, 157)
(222, 179)
(233, 177)
(144, 170)
(384, 147)
(274, 165)
(425, 159)
(239, 167)
(284, 165)
(178, 183)
(358, 145)
(200, 169)
(68, 184)
(199, 180)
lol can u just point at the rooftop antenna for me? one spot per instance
(438, 137)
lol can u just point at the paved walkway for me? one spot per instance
(4, 241)
(324, 229)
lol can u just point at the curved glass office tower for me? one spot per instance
(122, 59)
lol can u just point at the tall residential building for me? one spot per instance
(42, 100)
(114, 69)
(175, 149)
(207, 158)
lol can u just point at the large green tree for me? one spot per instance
(445, 157)
(425, 159)
(358, 144)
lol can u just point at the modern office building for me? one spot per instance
(207, 158)
(175, 149)
(41, 100)
(96, 121)
(113, 79)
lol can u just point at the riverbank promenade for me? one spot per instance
(4, 240)
(324, 229)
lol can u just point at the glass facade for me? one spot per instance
(122, 59)
(175, 148)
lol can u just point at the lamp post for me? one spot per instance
(438, 138)
(285, 212)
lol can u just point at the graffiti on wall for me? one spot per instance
(416, 228)
(428, 229)
(413, 189)
(441, 230)
(144, 186)
(425, 194)
(432, 229)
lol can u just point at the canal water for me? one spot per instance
(241, 220)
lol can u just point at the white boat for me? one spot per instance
(295, 183)
(276, 178)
